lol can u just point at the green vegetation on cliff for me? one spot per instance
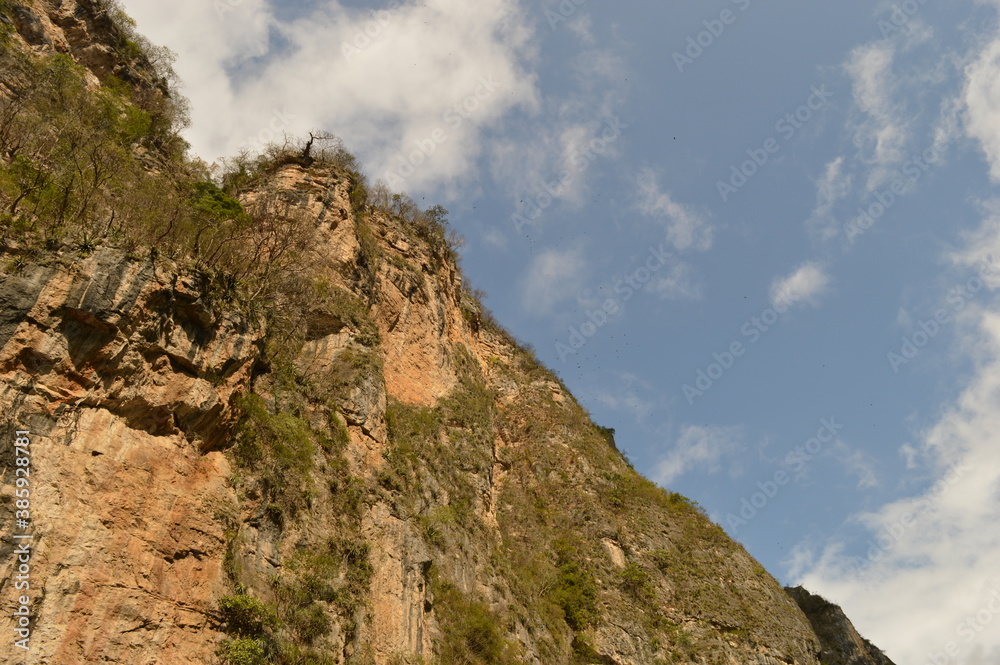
(83, 166)
(505, 523)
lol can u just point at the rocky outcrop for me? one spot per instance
(841, 644)
(124, 335)
(85, 31)
(124, 375)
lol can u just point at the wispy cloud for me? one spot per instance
(930, 560)
(685, 227)
(832, 187)
(858, 463)
(982, 246)
(698, 448)
(981, 99)
(678, 282)
(626, 396)
(553, 276)
(568, 135)
(804, 285)
(922, 579)
(882, 133)
(895, 83)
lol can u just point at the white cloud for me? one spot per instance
(831, 187)
(686, 228)
(575, 156)
(553, 276)
(883, 133)
(804, 285)
(700, 448)
(982, 247)
(583, 28)
(493, 238)
(625, 396)
(931, 561)
(561, 149)
(925, 585)
(678, 282)
(886, 88)
(981, 99)
(858, 463)
(896, 82)
(419, 88)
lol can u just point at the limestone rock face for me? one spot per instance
(85, 31)
(402, 600)
(124, 375)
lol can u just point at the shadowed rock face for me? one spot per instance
(115, 333)
(841, 644)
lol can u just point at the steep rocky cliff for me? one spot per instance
(840, 642)
(272, 424)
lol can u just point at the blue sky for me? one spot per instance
(755, 238)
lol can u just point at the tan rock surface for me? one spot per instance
(103, 361)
